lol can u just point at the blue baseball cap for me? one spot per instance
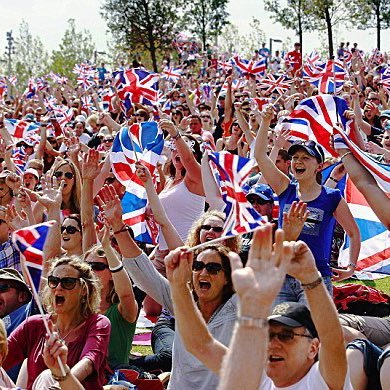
(311, 147)
(263, 191)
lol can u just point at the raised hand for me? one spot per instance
(13, 181)
(15, 220)
(178, 264)
(111, 205)
(90, 167)
(51, 196)
(282, 137)
(260, 281)
(294, 220)
(169, 127)
(73, 145)
(143, 173)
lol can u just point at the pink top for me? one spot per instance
(27, 341)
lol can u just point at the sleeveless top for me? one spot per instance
(183, 208)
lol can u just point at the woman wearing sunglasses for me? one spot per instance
(72, 299)
(325, 206)
(212, 288)
(71, 235)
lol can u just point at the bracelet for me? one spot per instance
(310, 286)
(333, 179)
(177, 136)
(253, 322)
(345, 154)
(351, 265)
(116, 269)
(124, 228)
(62, 377)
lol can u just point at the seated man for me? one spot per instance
(294, 356)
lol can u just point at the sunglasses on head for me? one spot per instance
(4, 287)
(97, 266)
(286, 336)
(67, 283)
(59, 174)
(211, 268)
(216, 229)
(110, 180)
(69, 229)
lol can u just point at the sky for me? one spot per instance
(48, 20)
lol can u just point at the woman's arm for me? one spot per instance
(128, 307)
(212, 192)
(273, 176)
(244, 125)
(171, 236)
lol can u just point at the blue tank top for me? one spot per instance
(317, 232)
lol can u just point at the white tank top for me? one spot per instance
(183, 208)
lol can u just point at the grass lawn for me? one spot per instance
(380, 284)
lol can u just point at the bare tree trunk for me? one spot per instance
(378, 27)
(330, 32)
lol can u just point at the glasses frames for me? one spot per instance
(211, 268)
(287, 336)
(67, 283)
(216, 229)
(69, 229)
(97, 266)
(59, 174)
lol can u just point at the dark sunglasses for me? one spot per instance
(52, 141)
(216, 229)
(97, 266)
(286, 336)
(69, 229)
(205, 117)
(67, 283)
(211, 268)
(257, 200)
(110, 180)
(5, 287)
(59, 174)
(107, 140)
(2, 221)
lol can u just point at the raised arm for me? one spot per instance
(213, 194)
(273, 176)
(332, 359)
(171, 236)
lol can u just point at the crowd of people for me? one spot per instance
(253, 310)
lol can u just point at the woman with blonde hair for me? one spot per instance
(72, 299)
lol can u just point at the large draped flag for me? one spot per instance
(231, 172)
(22, 129)
(143, 142)
(374, 256)
(314, 118)
(136, 86)
(250, 66)
(328, 77)
(30, 242)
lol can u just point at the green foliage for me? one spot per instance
(30, 58)
(206, 18)
(294, 16)
(76, 47)
(142, 25)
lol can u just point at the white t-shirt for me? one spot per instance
(313, 380)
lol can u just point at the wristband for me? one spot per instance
(333, 179)
(124, 228)
(252, 322)
(310, 286)
(116, 269)
(345, 154)
(63, 377)
(177, 136)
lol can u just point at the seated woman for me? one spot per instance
(212, 286)
(71, 298)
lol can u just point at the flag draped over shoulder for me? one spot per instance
(30, 242)
(145, 142)
(230, 172)
(314, 118)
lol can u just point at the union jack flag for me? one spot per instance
(144, 141)
(374, 255)
(328, 78)
(172, 74)
(107, 99)
(380, 172)
(31, 89)
(230, 172)
(314, 60)
(30, 242)
(87, 102)
(13, 80)
(224, 66)
(19, 159)
(22, 128)
(250, 66)
(314, 118)
(57, 78)
(64, 117)
(347, 57)
(271, 83)
(385, 79)
(136, 86)
(236, 84)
